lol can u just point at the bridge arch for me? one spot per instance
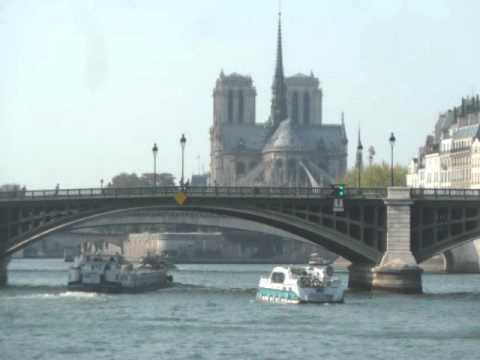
(289, 225)
(446, 246)
(150, 217)
(460, 253)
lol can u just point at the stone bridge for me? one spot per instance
(383, 232)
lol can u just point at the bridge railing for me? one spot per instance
(221, 191)
(447, 194)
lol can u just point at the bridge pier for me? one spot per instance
(398, 270)
(360, 276)
(3, 272)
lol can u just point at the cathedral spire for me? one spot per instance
(278, 110)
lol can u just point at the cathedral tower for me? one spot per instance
(304, 99)
(234, 100)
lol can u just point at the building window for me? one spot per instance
(295, 107)
(230, 106)
(240, 106)
(306, 108)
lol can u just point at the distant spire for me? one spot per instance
(278, 110)
(359, 146)
(359, 157)
(344, 132)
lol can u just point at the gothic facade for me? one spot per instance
(294, 147)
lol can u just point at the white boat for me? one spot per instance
(301, 284)
(316, 259)
(111, 273)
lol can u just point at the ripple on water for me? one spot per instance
(434, 334)
(211, 313)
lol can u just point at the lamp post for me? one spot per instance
(183, 141)
(359, 164)
(392, 144)
(155, 152)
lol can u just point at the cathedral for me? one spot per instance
(292, 148)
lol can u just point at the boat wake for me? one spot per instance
(34, 287)
(178, 287)
(79, 295)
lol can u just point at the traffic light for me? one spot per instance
(340, 191)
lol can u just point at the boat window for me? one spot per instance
(298, 271)
(278, 277)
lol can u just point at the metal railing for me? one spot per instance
(452, 194)
(193, 191)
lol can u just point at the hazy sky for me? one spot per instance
(87, 87)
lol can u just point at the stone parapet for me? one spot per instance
(398, 193)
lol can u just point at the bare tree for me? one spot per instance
(126, 180)
(163, 179)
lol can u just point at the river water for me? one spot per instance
(211, 313)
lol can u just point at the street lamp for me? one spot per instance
(155, 152)
(183, 141)
(392, 144)
(359, 163)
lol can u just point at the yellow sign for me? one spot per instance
(180, 198)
